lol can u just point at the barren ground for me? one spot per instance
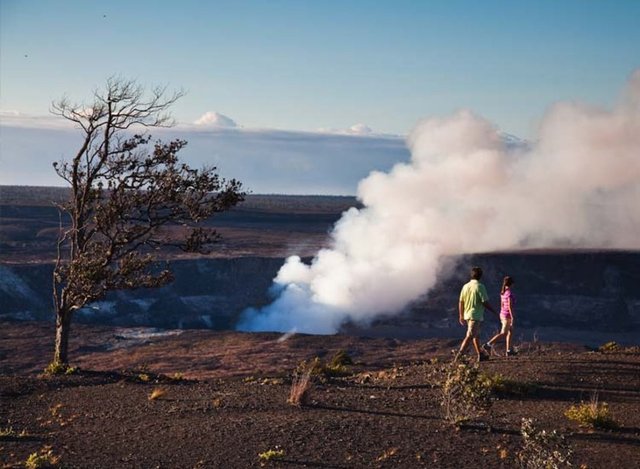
(232, 404)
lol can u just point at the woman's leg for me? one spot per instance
(509, 335)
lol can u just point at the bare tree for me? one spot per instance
(124, 190)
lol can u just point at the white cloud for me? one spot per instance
(359, 129)
(266, 160)
(19, 119)
(215, 119)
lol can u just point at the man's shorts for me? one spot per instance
(506, 324)
(473, 327)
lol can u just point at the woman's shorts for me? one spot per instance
(506, 324)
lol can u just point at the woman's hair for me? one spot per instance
(506, 282)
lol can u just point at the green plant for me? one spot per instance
(542, 449)
(43, 459)
(341, 358)
(337, 366)
(609, 347)
(271, 454)
(9, 432)
(592, 414)
(465, 395)
(58, 368)
(614, 347)
(500, 385)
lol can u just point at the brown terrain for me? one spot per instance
(171, 398)
(223, 401)
(271, 225)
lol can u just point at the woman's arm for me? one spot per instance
(510, 306)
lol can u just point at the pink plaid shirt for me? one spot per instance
(504, 303)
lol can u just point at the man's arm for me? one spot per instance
(461, 312)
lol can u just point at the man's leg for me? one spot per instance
(465, 343)
(476, 346)
(475, 331)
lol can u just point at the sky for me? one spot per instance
(302, 87)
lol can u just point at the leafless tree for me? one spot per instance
(124, 189)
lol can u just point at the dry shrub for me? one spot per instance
(217, 403)
(465, 394)
(387, 454)
(157, 394)
(301, 385)
(542, 449)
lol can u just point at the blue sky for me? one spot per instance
(304, 66)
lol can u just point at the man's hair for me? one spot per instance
(476, 273)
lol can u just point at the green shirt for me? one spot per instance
(472, 295)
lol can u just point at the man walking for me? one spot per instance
(471, 306)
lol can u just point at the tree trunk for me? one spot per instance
(63, 326)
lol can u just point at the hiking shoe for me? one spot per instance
(511, 353)
(483, 357)
(487, 348)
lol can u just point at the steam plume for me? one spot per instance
(466, 190)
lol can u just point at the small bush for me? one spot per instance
(333, 371)
(500, 385)
(592, 414)
(614, 347)
(9, 432)
(57, 368)
(609, 347)
(341, 358)
(43, 459)
(336, 367)
(157, 394)
(301, 385)
(542, 449)
(465, 395)
(56, 410)
(271, 454)
(387, 454)
(217, 403)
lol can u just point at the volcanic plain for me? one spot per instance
(182, 398)
(190, 399)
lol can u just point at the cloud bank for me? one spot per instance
(265, 160)
(467, 189)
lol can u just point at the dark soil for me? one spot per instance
(232, 406)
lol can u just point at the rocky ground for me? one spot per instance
(199, 399)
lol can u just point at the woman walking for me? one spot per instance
(506, 316)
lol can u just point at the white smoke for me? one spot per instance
(468, 190)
